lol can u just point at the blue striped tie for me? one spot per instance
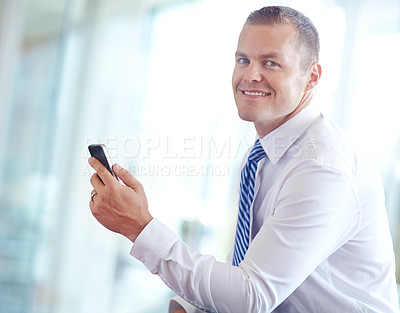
(246, 198)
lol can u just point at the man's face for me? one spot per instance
(268, 83)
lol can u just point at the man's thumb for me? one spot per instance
(125, 176)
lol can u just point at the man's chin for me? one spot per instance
(246, 116)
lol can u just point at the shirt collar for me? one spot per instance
(277, 142)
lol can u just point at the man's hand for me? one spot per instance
(121, 209)
(181, 310)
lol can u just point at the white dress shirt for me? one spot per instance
(320, 238)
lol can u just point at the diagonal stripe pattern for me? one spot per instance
(246, 198)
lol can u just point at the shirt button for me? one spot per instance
(142, 260)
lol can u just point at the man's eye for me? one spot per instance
(271, 63)
(242, 61)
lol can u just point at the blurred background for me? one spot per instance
(151, 79)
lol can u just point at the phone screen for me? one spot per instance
(100, 153)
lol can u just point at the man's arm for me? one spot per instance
(302, 233)
(178, 305)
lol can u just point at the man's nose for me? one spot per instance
(252, 74)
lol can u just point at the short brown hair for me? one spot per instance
(307, 34)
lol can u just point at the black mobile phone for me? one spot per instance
(100, 153)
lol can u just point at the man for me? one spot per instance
(312, 232)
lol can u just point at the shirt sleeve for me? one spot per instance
(314, 214)
(178, 303)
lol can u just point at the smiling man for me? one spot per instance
(270, 82)
(312, 232)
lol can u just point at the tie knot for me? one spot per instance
(257, 153)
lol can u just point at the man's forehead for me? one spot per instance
(269, 31)
(266, 41)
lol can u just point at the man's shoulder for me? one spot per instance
(327, 145)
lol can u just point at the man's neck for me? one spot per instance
(265, 128)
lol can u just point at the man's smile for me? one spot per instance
(255, 93)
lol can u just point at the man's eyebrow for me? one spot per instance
(272, 55)
(240, 54)
(263, 56)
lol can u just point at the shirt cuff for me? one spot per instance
(178, 303)
(152, 244)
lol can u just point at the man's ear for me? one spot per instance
(314, 75)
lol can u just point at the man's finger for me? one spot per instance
(96, 182)
(126, 177)
(101, 170)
